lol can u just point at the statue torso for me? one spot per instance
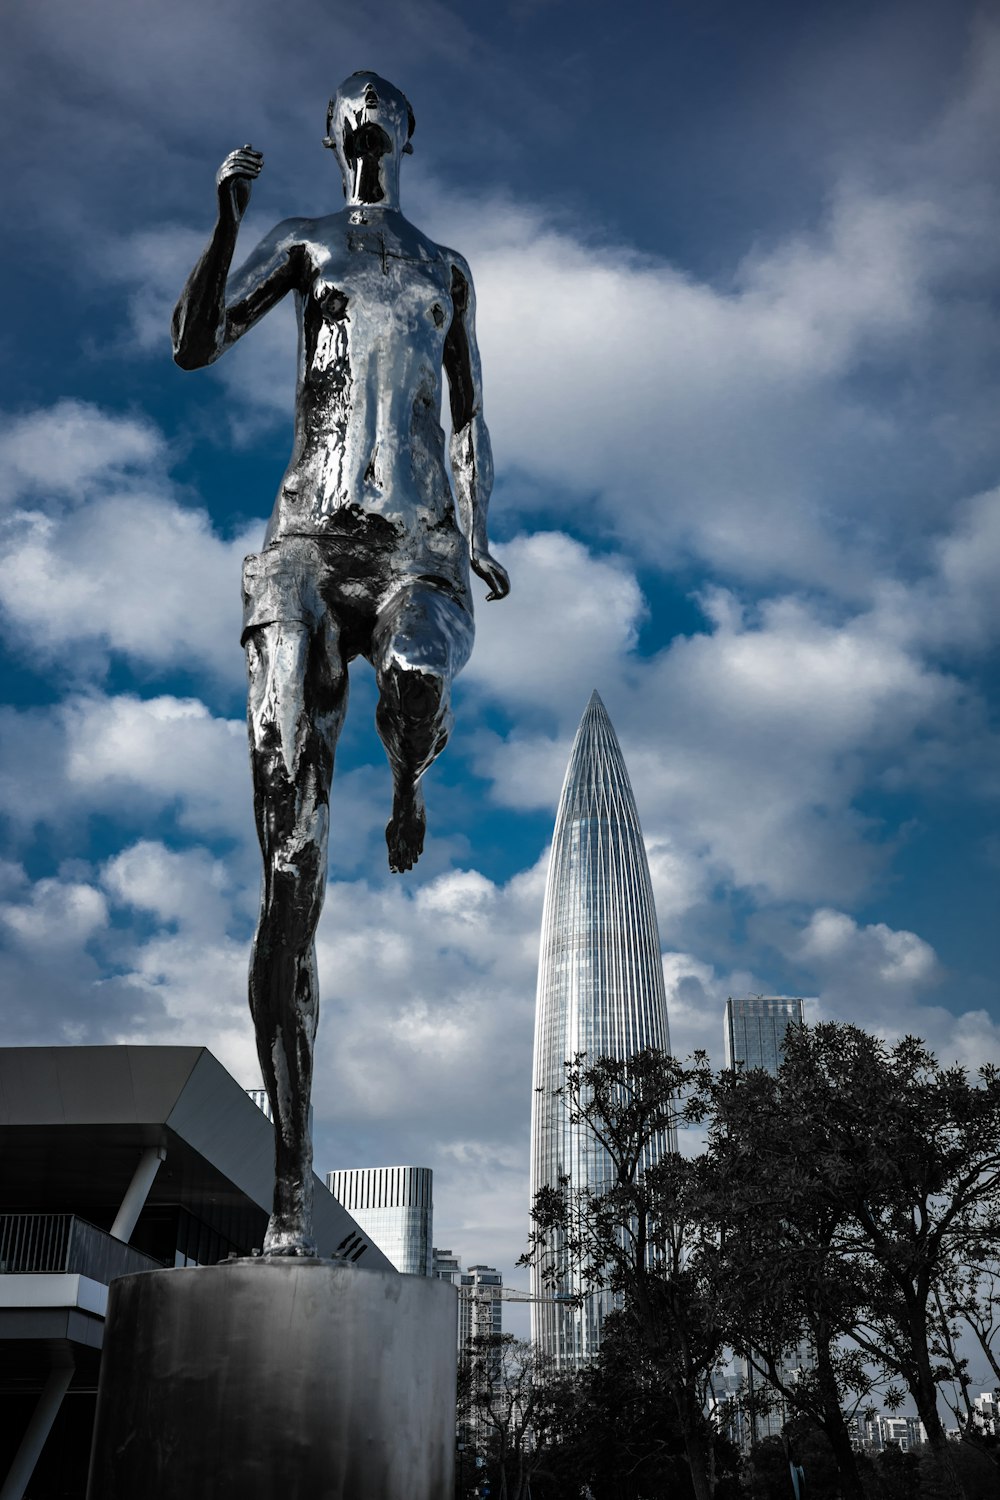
(374, 308)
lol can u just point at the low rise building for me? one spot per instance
(873, 1432)
(114, 1160)
(986, 1409)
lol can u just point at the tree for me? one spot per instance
(906, 1154)
(643, 1234)
(781, 1280)
(897, 1474)
(853, 1200)
(768, 1473)
(969, 1300)
(611, 1433)
(501, 1381)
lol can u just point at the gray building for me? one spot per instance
(755, 1029)
(114, 1160)
(445, 1266)
(480, 1304)
(394, 1206)
(480, 1299)
(600, 991)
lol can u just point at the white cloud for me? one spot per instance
(713, 417)
(55, 939)
(58, 913)
(160, 752)
(129, 758)
(569, 623)
(158, 262)
(178, 888)
(955, 607)
(833, 942)
(886, 980)
(696, 998)
(748, 743)
(100, 559)
(421, 987)
(190, 974)
(61, 452)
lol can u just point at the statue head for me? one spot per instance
(369, 123)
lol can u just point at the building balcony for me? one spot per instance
(32, 1244)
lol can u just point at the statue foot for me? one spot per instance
(404, 833)
(282, 1240)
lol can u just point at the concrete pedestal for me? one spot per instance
(276, 1379)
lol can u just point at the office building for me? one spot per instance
(874, 1432)
(755, 1029)
(394, 1206)
(114, 1160)
(480, 1304)
(445, 1266)
(986, 1412)
(480, 1296)
(600, 991)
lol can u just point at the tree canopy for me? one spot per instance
(848, 1207)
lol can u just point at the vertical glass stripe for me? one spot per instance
(600, 985)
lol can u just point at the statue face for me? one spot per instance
(369, 129)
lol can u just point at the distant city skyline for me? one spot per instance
(600, 991)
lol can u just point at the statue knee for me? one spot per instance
(418, 695)
(293, 891)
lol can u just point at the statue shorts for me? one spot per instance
(415, 609)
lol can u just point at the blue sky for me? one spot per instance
(737, 274)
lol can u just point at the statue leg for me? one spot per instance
(421, 640)
(296, 704)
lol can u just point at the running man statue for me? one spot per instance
(367, 552)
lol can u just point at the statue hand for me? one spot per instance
(491, 572)
(234, 178)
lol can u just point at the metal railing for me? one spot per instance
(64, 1242)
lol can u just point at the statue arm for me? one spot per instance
(470, 452)
(215, 310)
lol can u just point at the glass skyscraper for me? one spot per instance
(600, 991)
(394, 1206)
(755, 1029)
(755, 1037)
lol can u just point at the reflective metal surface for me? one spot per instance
(367, 552)
(261, 1378)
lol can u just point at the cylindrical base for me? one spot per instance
(276, 1379)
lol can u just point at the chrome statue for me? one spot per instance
(367, 552)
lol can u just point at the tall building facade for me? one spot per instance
(394, 1206)
(480, 1311)
(755, 1036)
(755, 1029)
(600, 991)
(480, 1296)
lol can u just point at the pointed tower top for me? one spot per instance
(596, 769)
(595, 716)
